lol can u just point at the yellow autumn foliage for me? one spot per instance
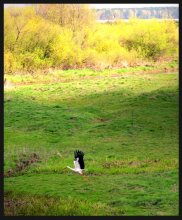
(33, 41)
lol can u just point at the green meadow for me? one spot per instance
(124, 120)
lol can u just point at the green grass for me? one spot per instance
(149, 194)
(127, 125)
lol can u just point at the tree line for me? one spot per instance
(67, 36)
(144, 13)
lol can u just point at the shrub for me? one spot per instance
(11, 63)
(151, 39)
(43, 42)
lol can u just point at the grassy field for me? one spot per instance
(126, 122)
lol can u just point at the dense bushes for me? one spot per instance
(152, 39)
(33, 40)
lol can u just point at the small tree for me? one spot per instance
(74, 16)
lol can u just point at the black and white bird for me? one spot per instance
(78, 162)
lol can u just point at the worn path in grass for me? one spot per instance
(127, 127)
(87, 74)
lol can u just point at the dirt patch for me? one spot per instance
(156, 71)
(22, 164)
(92, 173)
(114, 164)
(101, 120)
(141, 72)
(134, 163)
(11, 205)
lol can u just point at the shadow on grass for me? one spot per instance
(104, 114)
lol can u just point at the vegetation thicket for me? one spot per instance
(67, 36)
